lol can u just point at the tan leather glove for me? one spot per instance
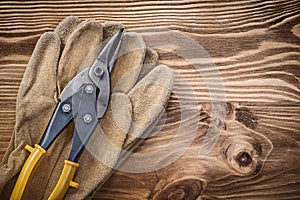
(140, 90)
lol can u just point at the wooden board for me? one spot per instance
(255, 48)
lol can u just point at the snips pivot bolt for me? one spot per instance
(66, 108)
(98, 71)
(89, 89)
(87, 118)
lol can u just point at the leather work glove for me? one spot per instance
(140, 91)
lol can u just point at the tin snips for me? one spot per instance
(85, 100)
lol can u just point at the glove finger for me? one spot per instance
(151, 56)
(104, 147)
(33, 97)
(65, 28)
(81, 50)
(148, 98)
(128, 66)
(110, 28)
(151, 59)
(116, 123)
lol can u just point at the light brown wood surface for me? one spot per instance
(255, 47)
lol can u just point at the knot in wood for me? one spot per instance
(243, 154)
(187, 189)
(229, 110)
(243, 159)
(246, 117)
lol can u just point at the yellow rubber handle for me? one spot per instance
(65, 180)
(36, 155)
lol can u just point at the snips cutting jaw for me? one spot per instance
(85, 99)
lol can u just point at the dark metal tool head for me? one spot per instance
(98, 74)
(109, 53)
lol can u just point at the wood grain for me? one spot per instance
(255, 47)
